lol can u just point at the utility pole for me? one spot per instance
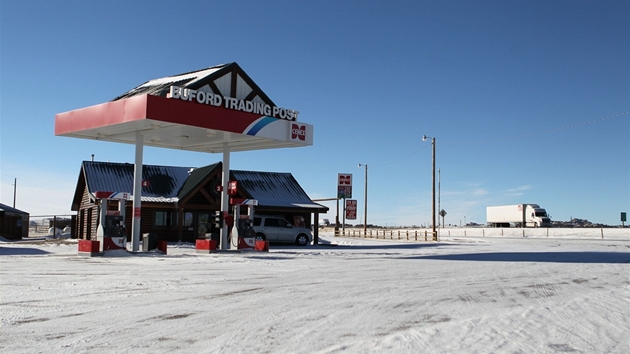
(365, 200)
(424, 138)
(14, 190)
(435, 238)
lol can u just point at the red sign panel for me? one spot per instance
(345, 179)
(232, 187)
(298, 132)
(351, 209)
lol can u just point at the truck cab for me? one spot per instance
(537, 216)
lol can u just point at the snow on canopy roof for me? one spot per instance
(189, 77)
(159, 87)
(217, 79)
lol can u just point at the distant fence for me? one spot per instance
(414, 235)
(425, 234)
(42, 224)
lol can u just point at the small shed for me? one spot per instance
(13, 222)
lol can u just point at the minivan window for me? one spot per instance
(283, 223)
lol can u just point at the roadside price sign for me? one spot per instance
(344, 192)
(351, 209)
(344, 185)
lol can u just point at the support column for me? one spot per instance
(316, 229)
(137, 194)
(225, 200)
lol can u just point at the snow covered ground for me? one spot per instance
(463, 294)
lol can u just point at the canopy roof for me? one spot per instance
(218, 107)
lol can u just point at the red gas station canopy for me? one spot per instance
(197, 111)
(183, 125)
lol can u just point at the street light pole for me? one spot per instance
(14, 190)
(365, 201)
(424, 138)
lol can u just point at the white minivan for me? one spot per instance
(276, 229)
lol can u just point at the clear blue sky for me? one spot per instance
(528, 100)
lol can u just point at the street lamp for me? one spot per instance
(424, 138)
(365, 202)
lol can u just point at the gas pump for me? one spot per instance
(111, 232)
(243, 234)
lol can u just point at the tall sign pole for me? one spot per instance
(344, 190)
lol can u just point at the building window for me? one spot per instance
(165, 218)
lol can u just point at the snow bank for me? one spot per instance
(462, 294)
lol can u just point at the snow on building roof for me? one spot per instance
(167, 184)
(274, 189)
(7, 209)
(159, 183)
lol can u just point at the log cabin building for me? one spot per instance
(178, 203)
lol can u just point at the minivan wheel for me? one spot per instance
(261, 237)
(301, 240)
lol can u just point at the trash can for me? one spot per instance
(149, 242)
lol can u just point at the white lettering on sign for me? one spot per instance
(212, 99)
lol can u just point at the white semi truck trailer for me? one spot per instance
(517, 215)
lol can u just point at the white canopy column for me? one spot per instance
(225, 201)
(137, 193)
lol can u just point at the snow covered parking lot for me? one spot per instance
(462, 294)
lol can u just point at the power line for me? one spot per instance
(402, 158)
(576, 125)
(554, 129)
